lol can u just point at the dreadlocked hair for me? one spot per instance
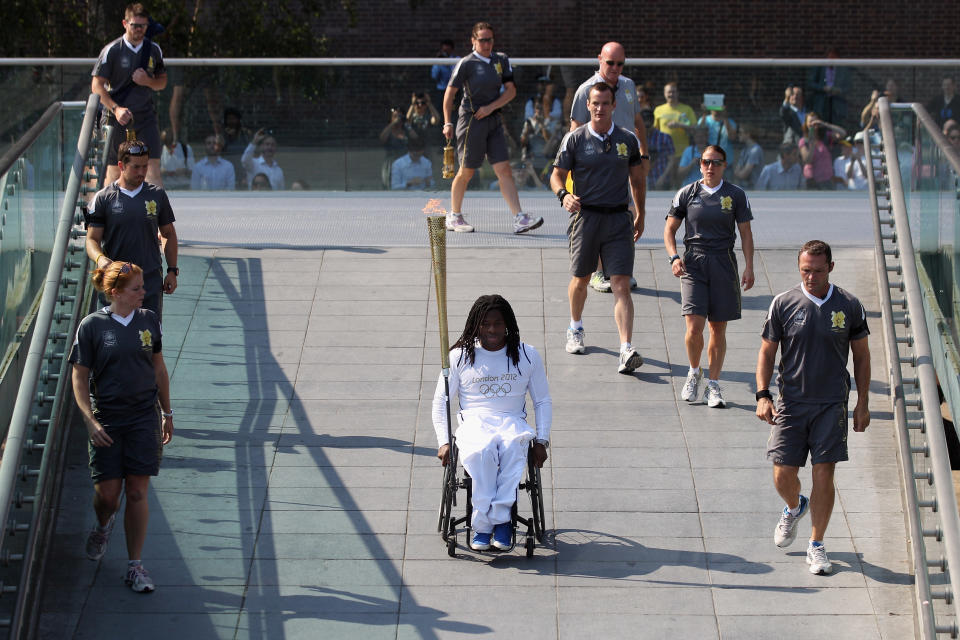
(471, 331)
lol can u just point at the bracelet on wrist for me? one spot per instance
(563, 193)
(764, 393)
(166, 414)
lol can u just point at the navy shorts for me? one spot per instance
(137, 450)
(819, 430)
(711, 286)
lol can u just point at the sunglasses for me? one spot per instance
(614, 63)
(709, 161)
(607, 145)
(137, 25)
(484, 40)
(138, 149)
(125, 269)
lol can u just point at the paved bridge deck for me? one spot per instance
(298, 498)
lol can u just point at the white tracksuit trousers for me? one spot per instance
(493, 450)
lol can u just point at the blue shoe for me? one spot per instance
(481, 541)
(503, 536)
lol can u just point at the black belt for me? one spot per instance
(620, 208)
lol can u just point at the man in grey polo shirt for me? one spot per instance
(627, 115)
(603, 158)
(816, 325)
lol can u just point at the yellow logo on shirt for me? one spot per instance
(151, 208)
(839, 319)
(146, 339)
(498, 67)
(726, 203)
(621, 149)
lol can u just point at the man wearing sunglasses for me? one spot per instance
(627, 115)
(127, 73)
(123, 223)
(604, 159)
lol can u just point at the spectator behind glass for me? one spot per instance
(425, 120)
(675, 119)
(260, 182)
(663, 162)
(535, 141)
(176, 162)
(721, 129)
(869, 116)
(818, 138)
(556, 106)
(784, 174)
(793, 114)
(441, 73)
(265, 146)
(396, 135)
(946, 106)
(412, 170)
(750, 161)
(827, 88)
(235, 140)
(953, 136)
(299, 185)
(689, 167)
(213, 173)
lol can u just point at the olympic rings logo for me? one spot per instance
(495, 390)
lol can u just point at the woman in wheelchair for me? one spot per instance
(491, 373)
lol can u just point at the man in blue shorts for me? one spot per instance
(482, 74)
(604, 159)
(815, 325)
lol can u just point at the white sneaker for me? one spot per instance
(575, 341)
(629, 361)
(138, 579)
(818, 560)
(786, 530)
(691, 388)
(455, 222)
(97, 540)
(714, 397)
(600, 282)
(523, 223)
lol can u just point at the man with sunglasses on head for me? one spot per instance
(123, 223)
(627, 115)
(712, 211)
(127, 73)
(604, 159)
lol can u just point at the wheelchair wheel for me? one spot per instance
(535, 489)
(452, 547)
(529, 546)
(447, 499)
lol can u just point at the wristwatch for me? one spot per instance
(674, 257)
(545, 443)
(174, 270)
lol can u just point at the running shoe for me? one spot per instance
(503, 536)
(818, 560)
(481, 541)
(600, 282)
(714, 397)
(575, 341)
(691, 388)
(138, 579)
(523, 223)
(786, 530)
(97, 540)
(455, 222)
(629, 360)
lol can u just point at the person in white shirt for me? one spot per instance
(412, 170)
(849, 170)
(176, 162)
(491, 371)
(264, 163)
(213, 173)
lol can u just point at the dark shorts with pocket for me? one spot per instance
(481, 138)
(800, 428)
(711, 286)
(137, 450)
(607, 236)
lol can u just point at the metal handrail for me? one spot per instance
(926, 622)
(925, 373)
(20, 146)
(361, 62)
(15, 440)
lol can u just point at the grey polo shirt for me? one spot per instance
(600, 165)
(117, 62)
(814, 337)
(130, 223)
(710, 219)
(480, 79)
(625, 111)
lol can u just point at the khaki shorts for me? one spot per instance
(481, 138)
(801, 428)
(608, 236)
(711, 286)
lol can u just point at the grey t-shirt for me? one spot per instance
(751, 155)
(123, 384)
(480, 80)
(710, 219)
(601, 168)
(625, 111)
(130, 224)
(117, 62)
(814, 343)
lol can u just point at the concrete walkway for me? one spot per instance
(299, 496)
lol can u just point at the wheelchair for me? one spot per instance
(452, 481)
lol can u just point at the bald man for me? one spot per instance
(627, 115)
